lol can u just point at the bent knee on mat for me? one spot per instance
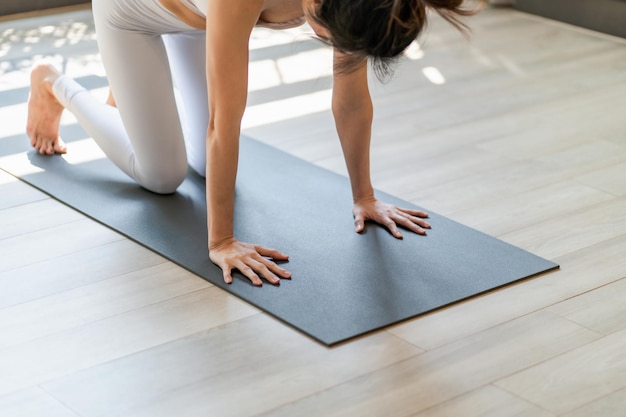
(164, 182)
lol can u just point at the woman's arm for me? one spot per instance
(228, 28)
(353, 111)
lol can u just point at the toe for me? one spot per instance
(59, 146)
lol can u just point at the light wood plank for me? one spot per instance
(550, 126)
(587, 157)
(611, 179)
(487, 401)
(618, 138)
(35, 216)
(98, 301)
(40, 360)
(317, 143)
(32, 402)
(602, 310)
(440, 375)
(53, 242)
(560, 129)
(14, 192)
(527, 209)
(468, 101)
(612, 405)
(580, 272)
(83, 267)
(238, 369)
(416, 172)
(575, 378)
(74, 36)
(474, 189)
(574, 231)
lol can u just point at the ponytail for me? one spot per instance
(453, 11)
(411, 15)
(383, 29)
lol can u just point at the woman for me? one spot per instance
(206, 56)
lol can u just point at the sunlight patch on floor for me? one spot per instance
(306, 66)
(290, 108)
(15, 164)
(81, 151)
(6, 178)
(434, 75)
(414, 51)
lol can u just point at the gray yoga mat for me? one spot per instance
(344, 284)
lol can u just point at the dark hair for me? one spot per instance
(381, 29)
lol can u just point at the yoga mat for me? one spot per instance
(344, 284)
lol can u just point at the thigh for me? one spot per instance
(187, 56)
(138, 71)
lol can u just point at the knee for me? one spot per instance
(164, 183)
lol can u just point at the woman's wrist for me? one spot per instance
(363, 197)
(218, 242)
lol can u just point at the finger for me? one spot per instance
(420, 222)
(250, 274)
(271, 253)
(405, 222)
(417, 213)
(265, 272)
(228, 278)
(393, 228)
(417, 220)
(281, 272)
(359, 223)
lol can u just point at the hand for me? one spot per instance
(250, 260)
(389, 216)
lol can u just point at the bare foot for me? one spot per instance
(44, 112)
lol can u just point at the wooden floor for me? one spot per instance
(519, 132)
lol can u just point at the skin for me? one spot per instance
(44, 112)
(228, 28)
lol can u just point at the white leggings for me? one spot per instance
(146, 50)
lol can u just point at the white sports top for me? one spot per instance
(199, 7)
